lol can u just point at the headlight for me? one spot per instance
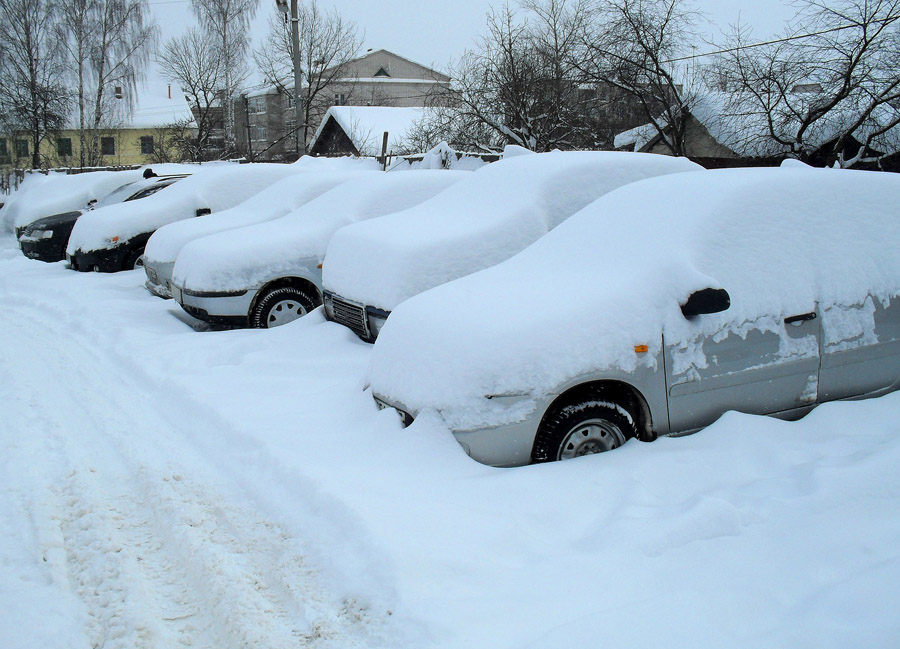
(377, 318)
(41, 234)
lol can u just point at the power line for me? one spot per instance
(786, 39)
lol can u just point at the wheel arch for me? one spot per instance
(619, 392)
(292, 281)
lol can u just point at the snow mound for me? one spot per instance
(497, 212)
(243, 257)
(275, 201)
(215, 187)
(780, 241)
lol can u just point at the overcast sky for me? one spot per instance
(434, 32)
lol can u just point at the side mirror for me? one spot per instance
(707, 300)
(203, 211)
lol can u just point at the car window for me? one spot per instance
(149, 191)
(116, 196)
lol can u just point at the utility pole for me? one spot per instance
(298, 70)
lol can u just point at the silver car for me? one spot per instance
(656, 309)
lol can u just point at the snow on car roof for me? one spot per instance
(780, 241)
(215, 186)
(273, 202)
(500, 210)
(239, 258)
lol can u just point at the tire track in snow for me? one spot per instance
(157, 558)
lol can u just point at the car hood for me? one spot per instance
(55, 220)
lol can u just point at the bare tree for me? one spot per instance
(519, 86)
(229, 22)
(33, 97)
(193, 63)
(829, 90)
(109, 44)
(327, 44)
(633, 47)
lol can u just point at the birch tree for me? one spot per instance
(33, 96)
(108, 44)
(229, 22)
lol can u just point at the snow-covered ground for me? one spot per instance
(164, 487)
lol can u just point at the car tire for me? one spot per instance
(584, 426)
(280, 306)
(133, 259)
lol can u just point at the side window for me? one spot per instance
(108, 146)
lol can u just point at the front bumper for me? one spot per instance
(109, 260)
(49, 250)
(363, 320)
(159, 278)
(506, 445)
(230, 308)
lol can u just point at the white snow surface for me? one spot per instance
(779, 240)
(217, 186)
(245, 257)
(498, 211)
(164, 487)
(41, 195)
(275, 201)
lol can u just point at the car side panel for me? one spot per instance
(754, 369)
(860, 348)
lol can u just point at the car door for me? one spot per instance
(860, 348)
(762, 367)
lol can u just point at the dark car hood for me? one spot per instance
(55, 220)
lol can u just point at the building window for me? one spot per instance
(256, 105)
(4, 151)
(382, 73)
(64, 147)
(146, 144)
(21, 148)
(108, 146)
(340, 99)
(258, 133)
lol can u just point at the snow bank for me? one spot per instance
(497, 212)
(275, 201)
(216, 187)
(780, 241)
(242, 258)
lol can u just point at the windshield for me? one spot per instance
(116, 196)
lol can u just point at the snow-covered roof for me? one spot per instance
(365, 125)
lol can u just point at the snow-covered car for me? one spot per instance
(112, 238)
(372, 267)
(656, 309)
(275, 201)
(41, 195)
(270, 274)
(46, 238)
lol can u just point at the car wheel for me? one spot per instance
(134, 260)
(280, 306)
(585, 426)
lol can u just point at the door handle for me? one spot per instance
(796, 319)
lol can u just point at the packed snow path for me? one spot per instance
(155, 547)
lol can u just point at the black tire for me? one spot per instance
(585, 425)
(280, 306)
(133, 259)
